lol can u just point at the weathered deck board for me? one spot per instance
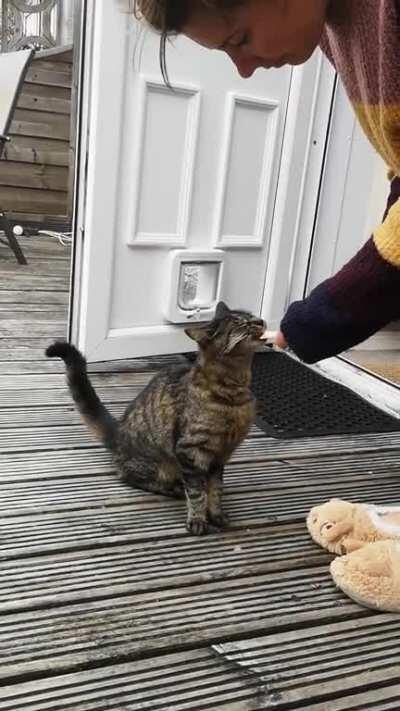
(45, 247)
(34, 178)
(67, 637)
(194, 679)
(58, 381)
(96, 574)
(152, 565)
(35, 366)
(21, 345)
(26, 298)
(265, 497)
(366, 649)
(129, 515)
(50, 415)
(61, 396)
(38, 366)
(72, 436)
(19, 327)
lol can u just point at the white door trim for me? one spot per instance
(378, 392)
(92, 222)
(304, 148)
(83, 55)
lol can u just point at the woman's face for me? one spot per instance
(260, 33)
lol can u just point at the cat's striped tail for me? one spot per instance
(100, 422)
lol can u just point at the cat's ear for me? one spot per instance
(222, 310)
(199, 333)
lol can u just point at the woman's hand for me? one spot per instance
(280, 340)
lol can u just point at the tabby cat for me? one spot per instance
(177, 435)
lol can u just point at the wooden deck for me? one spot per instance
(107, 603)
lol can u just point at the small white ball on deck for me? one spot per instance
(18, 230)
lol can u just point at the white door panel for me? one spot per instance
(193, 168)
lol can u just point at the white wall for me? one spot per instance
(353, 194)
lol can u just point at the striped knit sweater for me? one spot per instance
(364, 296)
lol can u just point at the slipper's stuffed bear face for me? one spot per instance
(330, 522)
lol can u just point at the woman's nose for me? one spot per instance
(245, 64)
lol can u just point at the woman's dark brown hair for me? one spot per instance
(168, 17)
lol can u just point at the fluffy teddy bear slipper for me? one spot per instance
(371, 575)
(367, 538)
(342, 527)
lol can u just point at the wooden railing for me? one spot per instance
(35, 170)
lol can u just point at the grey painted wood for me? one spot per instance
(19, 327)
(57, 381)
(30, 298)
(39, 267)
(80, 634)
(22, 347)
(381, 698)
(150, 565)
(35, 178)
(68, 515)
(26, 416)
(194, 679)
(48, 283)
(278, 497)
(72, 436)
(93, 572)
(364, 652)
(37, 365)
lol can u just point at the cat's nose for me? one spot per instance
(258, 328)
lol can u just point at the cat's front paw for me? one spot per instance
(197, 526)
(219, 520)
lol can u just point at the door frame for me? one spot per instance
(83, 34)
(96, 76)
(302, 162)
(296, 221)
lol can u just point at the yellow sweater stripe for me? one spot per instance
(381, 123)
(387, 237)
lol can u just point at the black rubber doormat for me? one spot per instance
(295, 401)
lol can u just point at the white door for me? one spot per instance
(194, 168)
